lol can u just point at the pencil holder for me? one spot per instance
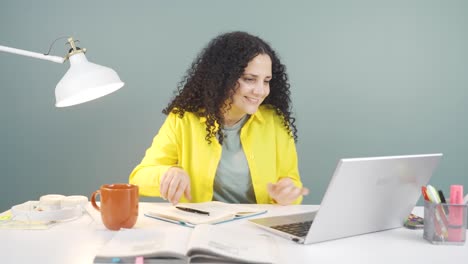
(445, 223)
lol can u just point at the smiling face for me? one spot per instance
(252, 88)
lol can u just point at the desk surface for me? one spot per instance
(78, 241)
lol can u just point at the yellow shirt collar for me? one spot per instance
(257, 115)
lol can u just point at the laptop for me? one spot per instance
(365, 195)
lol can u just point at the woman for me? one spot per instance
(229, 135)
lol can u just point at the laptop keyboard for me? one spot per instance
(299, 229)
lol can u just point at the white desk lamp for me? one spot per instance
(83, 82)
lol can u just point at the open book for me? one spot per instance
(192, 214)
(204, 244)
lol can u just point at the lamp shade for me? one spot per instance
(85, 81)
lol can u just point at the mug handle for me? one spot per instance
(93, 200)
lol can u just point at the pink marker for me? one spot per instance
(139, 260)
(456, 231)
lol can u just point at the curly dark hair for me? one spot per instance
(211, 81)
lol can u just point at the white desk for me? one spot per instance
(78, 241)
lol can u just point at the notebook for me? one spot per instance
(192, 214)
(365, 195)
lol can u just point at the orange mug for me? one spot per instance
(119, 205)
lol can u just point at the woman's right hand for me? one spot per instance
(174, 183)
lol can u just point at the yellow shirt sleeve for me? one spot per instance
(158, 159)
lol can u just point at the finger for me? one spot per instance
(290, 197)
(271, 189)
(161, 186)
(180, 190)
(188, 192)
(176, 198)
(283, 182)
(173, 187)
(287, 192)
(166, 180)
(296, 193)
(279, 195)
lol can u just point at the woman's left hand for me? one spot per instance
(284, 192)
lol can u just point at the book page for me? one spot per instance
(222, 244)
(216, 212)
(149, 243)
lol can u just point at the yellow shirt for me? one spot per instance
(269, 149)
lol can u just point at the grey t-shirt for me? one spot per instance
(233, 183)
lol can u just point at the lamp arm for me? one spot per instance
(32, 54)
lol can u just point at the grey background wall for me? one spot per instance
(368, 78)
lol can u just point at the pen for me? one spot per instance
(442, 197)
(439, 214)
(424, 193)
(191, 210)
(433, 194)
(443, 201)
